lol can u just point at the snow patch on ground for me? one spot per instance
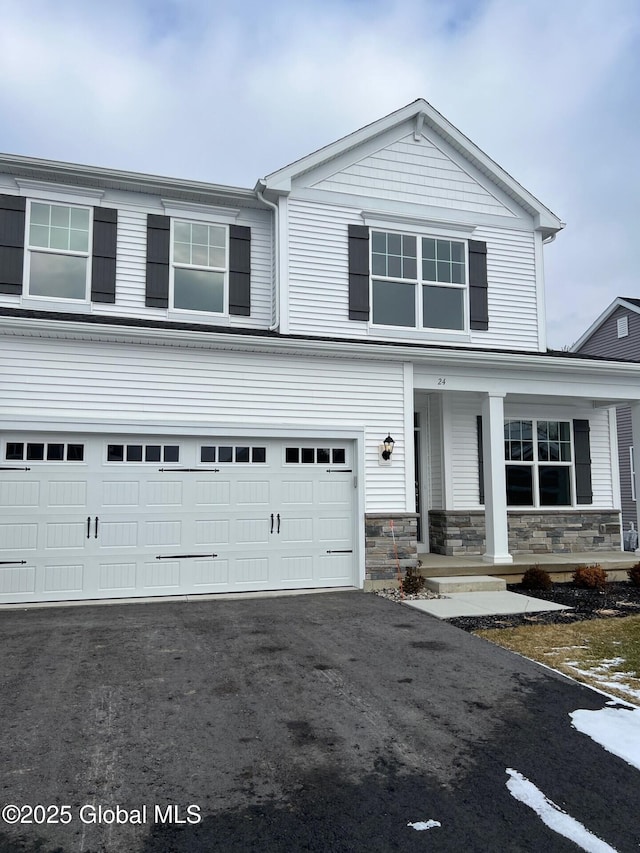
(614, 728)
(553, 816)
(424, 824)
(605, 679)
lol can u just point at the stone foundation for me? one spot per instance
(381, 559)
(454, 533)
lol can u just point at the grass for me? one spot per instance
(603, 653)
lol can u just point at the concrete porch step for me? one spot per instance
(469, 583)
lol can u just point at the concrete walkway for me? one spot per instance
(482, 604)
(477, 595)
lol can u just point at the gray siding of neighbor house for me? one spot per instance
(605, 342)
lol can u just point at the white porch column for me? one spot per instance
(495, 487)
(635, 439)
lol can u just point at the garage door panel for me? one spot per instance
(162, 533)
(253, 493)
(213, 493)
(212, 532)
(18, 537)
(120, 493)
(117, 576)
(296, 529)
(210, 573)
(64, 579)
(249, 531)
(118, 534)
(15, 494)
(251, 571)
(297, 568)
(296, 492)
(334, 492)
(335, 568)
(165, 575)
(17, 580)
(334, 529)
(66, 534)
(164, 493)
(67, 493)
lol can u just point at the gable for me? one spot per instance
(415, 172)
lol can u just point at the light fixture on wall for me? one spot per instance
(387, 448)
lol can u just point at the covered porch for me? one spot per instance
(518, 466)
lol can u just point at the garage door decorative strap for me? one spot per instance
(184, 556)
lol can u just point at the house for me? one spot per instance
(209, 389)
(616, 334)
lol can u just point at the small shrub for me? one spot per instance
(413, 582)
(634, 574)
(536, 578)
(590, 577)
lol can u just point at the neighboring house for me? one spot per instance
(198, 380)
(616, 334)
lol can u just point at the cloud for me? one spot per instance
(230, 92)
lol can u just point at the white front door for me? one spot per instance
(108, 517)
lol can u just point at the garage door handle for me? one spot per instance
(340, 552)
(184, 556)
(95, 535)
(88, 526)
(271, 531)
(278, 523)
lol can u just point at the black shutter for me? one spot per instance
(240, 270)
(582, 449)
(358, 272)
(480, 458)
(158, 235)
(12, 216)
(103, 263)
(478, 302)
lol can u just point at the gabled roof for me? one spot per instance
(426, 117)
(628, 302)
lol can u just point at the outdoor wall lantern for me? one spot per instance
(387, 448)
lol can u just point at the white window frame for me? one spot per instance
(173, 265)
(30, 250)
(419, 282)
(536, 463)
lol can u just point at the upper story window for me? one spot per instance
(199, 261)
(58, 246)
(418, 282)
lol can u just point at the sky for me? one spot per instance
(228, 92)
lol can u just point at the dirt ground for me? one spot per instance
(306, 723)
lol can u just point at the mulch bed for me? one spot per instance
(618, 599)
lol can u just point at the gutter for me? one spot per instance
(260, 188)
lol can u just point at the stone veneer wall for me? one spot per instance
(534, 532)
(380, 553)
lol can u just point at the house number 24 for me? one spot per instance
(442, 380)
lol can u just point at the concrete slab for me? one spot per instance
(470, 583)
(482, 604)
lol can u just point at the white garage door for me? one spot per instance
(111, 517)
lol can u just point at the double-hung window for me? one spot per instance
(58, 246)
(418, 282)
(199, 260)
(539, 463)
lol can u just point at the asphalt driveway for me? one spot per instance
(309, 723)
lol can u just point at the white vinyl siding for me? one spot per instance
(319, 280)
(116, 382)
(415, 173)
(513, 311)
(131, 267)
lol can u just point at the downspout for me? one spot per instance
(260, 187)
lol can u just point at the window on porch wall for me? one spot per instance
(539, 462)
